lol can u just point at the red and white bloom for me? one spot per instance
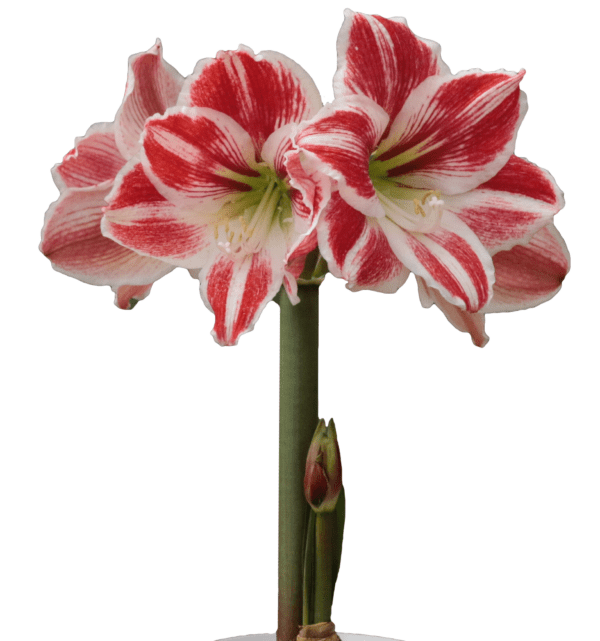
(211, 187)
(423, 162)
(71, 237)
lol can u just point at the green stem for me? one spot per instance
(325, 533)
(298, 417)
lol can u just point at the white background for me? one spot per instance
(138, 460)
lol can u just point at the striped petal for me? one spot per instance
(72, 240)
(528, 275)
(511, 207)
(140, 218)
(383, 59)
(308, 193)
(260, 92)
(339, 142)
(94, 159)
(152, 87)
(198, 156)
(238, 291)
(455, 132)
(449, 258)
(357, 250)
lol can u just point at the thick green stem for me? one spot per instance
(298, 418)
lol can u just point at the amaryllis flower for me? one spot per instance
(211, 190)
(424, 167)
(526, 276)
(71, 237)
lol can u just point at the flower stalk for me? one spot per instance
(298, 415)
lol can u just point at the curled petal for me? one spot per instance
(295, 266)
(238, 290)
(383, 59)
(94, 159)
(357, 250)
(339, 141)
(450, 258)
(73, 242)
(511, 207)
(198, 156)
(471, 323)
(260, 92)
(140, 218)
(152, 87)
(528, 275)
(304, 194)
(128, 296)
(455, 132)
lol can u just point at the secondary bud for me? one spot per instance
(323, 477)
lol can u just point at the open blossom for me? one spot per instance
(423, 162)
(211, 190)
(71, 237)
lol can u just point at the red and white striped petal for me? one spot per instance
(339, 142)
(152, 87)
(471, 323)
(72, 240)
(127, 296)
(357, 250)
(383, 59)
(511, 207)
(260, 92)
(528, 275)
(198, 156)
(140, 218)
(450, 258)
(238, 290)
(455, 132)
(94, 159)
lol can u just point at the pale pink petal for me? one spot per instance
(140, 218)
(449, 258)
(455, 132)
(511, 207)
(260, 92)
(198, 156)
(94, 159)
(471, 323)
(72, 240)
(339, 142)
(128, 296)
(528, 275)
(238, 290)
(357, 250)
(152, 87)
(383, 60)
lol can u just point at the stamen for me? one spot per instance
(419, 211)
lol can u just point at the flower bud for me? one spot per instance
(323, 477)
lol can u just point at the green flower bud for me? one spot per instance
(323, 477)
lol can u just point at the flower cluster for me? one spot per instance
(238, 172)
